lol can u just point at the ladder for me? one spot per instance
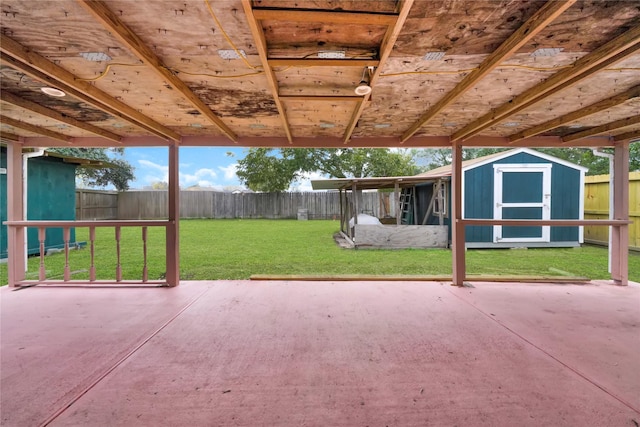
(406, 205)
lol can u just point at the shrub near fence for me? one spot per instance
(212, 204)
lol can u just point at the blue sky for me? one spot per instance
(203, 166)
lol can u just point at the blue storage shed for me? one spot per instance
(517, 184)
(50, 193)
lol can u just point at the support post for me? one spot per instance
(16, 236)
(173, 236)
(620, 233)
(354, 195)
(457, 232)
(396, 198)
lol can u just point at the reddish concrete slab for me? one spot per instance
(592, 328)
(349, 353)
(56, 342)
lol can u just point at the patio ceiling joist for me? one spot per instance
(261, 44)
(627, 136)
(12, 99)
(35, 129)
(608, 127)
(540, 20)
(23, 59)
(605, 104)
(354, 98)
(615, 50)
(8, 136)
(332, 17)
(133, 42)
(386, 47)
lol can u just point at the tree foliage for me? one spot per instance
(118, 175)
(580, 156)
(265, 169)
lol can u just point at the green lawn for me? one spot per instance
(236, 249)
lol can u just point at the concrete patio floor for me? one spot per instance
(321, 354)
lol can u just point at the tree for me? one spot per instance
(265, 169)
(118, 174)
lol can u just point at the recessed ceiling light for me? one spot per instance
(327, 125)
(433, 56)
(510, 124)
(52, 91)
(547, 51)
(331, 54)
(231, 54)
(382, 125)
(95, 56)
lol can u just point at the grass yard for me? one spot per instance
(236, 249)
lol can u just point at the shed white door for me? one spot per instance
(522, 191)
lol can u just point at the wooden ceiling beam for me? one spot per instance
(12, 99)
(634, 134)
(319, 62)
(616, 49)
(353, 98)
(540, 20)
(35, 129)
(605, 104)
(117, 28)
(325, 16)
(24, 60)
(8, 136)
(599, 130)
(386, 47)
(261, 45)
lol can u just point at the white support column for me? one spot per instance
(620, 233)
(173, 235)
(16, 237)
(457, 230)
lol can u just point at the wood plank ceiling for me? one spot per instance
(284, 72)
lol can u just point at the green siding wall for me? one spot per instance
(565, 197)
(51, 196)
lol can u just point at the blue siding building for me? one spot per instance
(516, 184)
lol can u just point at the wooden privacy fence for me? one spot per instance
(596, 206)
(96, 204)
(211, 204)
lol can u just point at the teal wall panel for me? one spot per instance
(50, 196)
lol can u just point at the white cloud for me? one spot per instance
(200, 176)
(304, 183)
(229, 171)
(150, 164)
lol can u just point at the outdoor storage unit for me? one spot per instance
(520, 184)
(50, 196)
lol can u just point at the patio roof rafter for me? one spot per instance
(132, 41)
(35, 129)
(24, 60)
(628, 136)
(607, 54)
(605, 104)
(325, 16)
(539, 21)
(8, 136)
(608, 127)
(261, 44)
(12, 99)
(386, 47)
